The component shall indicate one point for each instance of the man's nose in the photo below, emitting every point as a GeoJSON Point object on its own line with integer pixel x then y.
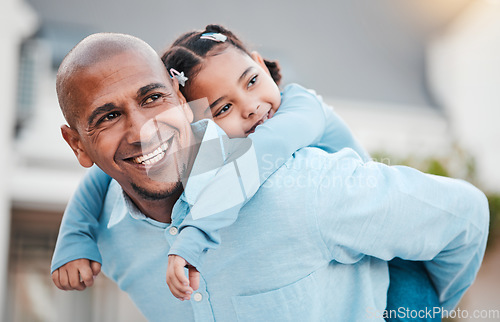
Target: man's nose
{"type": "Point", "coordinates": [141, 127]}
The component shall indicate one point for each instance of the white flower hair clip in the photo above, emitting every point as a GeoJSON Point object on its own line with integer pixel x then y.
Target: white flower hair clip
{"type": "Point", "coordinates": [215, 36]}
{"type": "Point", "coordinates": [181, 78]}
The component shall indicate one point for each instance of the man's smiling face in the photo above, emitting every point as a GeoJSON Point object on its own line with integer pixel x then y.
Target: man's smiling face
{"type": "Point", "coordinates": [132, 123]}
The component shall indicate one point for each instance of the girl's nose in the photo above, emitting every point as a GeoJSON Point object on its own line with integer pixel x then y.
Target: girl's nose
{"type": "Point", "coordinates": [249, 110]}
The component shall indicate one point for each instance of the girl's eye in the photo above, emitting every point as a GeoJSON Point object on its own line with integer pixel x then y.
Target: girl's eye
{"type": "Point", "coordinates": [152, 98]}
{"type": "Point", "coordinates": [223, 110]}
{"type": "Point", "coordinates": [252, 81]}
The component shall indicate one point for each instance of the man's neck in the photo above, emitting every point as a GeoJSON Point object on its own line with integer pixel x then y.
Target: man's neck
{"type": "Point", "coordinates": [159, 210]}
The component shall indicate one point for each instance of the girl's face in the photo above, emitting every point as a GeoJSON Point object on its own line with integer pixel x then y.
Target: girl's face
{"type": "Point", "coordinates": [239, 89]}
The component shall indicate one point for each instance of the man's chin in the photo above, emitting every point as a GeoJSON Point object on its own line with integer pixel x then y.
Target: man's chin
{"type": "Point", "coordinates": [153, 195]}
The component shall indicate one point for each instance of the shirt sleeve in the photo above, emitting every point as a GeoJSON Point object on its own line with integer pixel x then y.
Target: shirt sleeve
{"type": "Point", "coordinates": [299, 122]}
{"type": "Point", "coordinates": [395, 211]}
{"type": "Point", "coordinates": [77, 233]}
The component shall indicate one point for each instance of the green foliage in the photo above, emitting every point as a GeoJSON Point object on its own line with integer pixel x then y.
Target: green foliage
{"type": "Point", "coordinates": [436, 167]}
{"type": "Point", "coordinates": [494, 202]}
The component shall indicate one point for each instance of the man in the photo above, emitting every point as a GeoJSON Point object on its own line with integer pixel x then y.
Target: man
{"type": "Point", "coordinates": [314, 253]}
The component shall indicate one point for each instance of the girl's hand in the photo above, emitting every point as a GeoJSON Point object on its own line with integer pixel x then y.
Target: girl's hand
{"type": "Point", "coordinates": [179, 285]}
{"type": "Point", "coordinates": [76, 275]}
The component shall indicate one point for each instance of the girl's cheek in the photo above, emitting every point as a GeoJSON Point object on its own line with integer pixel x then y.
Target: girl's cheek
{"type": "Point", "coordinates": [224, 126]}
{"type": "Point", "coordinates": [235, 131]}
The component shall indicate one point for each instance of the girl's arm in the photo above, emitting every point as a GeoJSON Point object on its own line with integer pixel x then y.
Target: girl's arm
{"type": "Point", "coordinates": [338, 136]}
{"type": "Point", "coordinates": [302, 120]}
{"type": "Point", "coordinates": [80, 221]}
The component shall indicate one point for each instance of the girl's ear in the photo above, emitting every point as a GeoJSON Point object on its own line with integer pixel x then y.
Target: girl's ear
{"type": "Point", "coordinates": [259, 60]}
{"type": "Point", "coordinates": [185, 107]}
{"type": "Point", "coordinates": [175, 86]}
{"type": "Point", "coordinates": [72, 137]}
{"type": "Point", "coordinates": [177, 89]}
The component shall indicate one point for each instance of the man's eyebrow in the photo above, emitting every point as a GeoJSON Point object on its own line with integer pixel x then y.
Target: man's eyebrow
{"type": "Point", "coordinates": [108, 107]}
{"type": "Point", "coordinates": [148, 88]}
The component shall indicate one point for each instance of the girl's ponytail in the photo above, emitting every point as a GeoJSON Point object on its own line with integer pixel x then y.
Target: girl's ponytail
{"type": "Point", "coordinates": [274, 70]}
{"type": "Point", "coordinates": [189, 50]}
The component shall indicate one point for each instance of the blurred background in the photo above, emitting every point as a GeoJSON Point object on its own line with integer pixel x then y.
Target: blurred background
{"type": "Point", "coordinates": [417, 80]}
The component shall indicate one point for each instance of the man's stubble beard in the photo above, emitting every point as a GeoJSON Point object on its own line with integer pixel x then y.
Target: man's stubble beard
{"type": "Point", "coordinates": [156, 195]}
{"type": "Point", "coordinates": [159, 195]}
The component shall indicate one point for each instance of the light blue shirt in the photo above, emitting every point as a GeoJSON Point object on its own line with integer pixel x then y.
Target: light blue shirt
{"type": "Point", "coordinates": [285, 256]}
{"type": "Point", "coordinates": [315, 253]}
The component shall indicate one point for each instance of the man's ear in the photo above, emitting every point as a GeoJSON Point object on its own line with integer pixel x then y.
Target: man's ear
{"type": "Point", "coordinates": [259, 60]}
{"type": "Point", "coordinates": [72, 137]}
{"type": "Point", "coordinates": [185, 107]}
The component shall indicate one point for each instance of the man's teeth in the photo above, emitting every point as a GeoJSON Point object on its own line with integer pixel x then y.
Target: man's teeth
{"type": "Point", "coordinates": [153, 157]}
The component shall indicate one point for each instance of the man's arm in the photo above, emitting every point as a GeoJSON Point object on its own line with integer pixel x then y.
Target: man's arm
{"type": "Point", "coordinates": [77, 238]}
{"type": "Point", "coordinates": [387, 212]}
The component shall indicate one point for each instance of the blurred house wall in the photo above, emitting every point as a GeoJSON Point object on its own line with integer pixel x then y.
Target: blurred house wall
{"type": "Point", "coordinates": [464, 74]}
{"type": "Point", "coordinates": [16, 22]}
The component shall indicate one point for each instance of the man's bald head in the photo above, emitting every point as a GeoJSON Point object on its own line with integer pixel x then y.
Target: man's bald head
{"type": "Point", "coordinates": [87, 53]}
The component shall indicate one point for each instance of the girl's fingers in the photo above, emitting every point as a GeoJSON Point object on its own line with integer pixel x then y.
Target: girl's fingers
{"type": "Point", "coordinates": [194, 278]}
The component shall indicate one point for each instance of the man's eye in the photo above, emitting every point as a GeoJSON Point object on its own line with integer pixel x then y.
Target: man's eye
{"type": "Point", "coordinates": [152, 98]}
{"type": "Point", "coordinates": [223, 110]}
{"type": "Point", "coordinates": [108, 117]}
{"type": "Point", "coordinates": [252, 81]}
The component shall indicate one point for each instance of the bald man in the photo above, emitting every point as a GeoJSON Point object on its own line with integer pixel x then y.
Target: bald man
{"type": "Point", "coordinates": [313, 253]}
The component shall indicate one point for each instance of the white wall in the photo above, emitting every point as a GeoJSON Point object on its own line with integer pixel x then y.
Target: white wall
{"type": "Point", "coordinates": [395, 130]}
{"type": "Point", "coordinates": [464, 73]}
{"type": "Point", "coordinates": [16, 20]}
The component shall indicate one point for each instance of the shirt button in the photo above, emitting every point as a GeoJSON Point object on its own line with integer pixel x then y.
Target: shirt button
{"type": "Point", "coordinates": [197, 297]}
{"type": "Point", "coordinates": [173, 231]}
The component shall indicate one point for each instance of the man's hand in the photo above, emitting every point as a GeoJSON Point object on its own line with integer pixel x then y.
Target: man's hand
{"type": "Point", "coordinates": [76, 275]}
{"type": "Point", "coordinates": [179, 285]}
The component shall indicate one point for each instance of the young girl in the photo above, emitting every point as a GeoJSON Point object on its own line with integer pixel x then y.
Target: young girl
{"type": "Point", "coordinates": [243, 99]}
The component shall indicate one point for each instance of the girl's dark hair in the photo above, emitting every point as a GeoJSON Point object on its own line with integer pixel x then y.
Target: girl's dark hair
{"type": "Point", "coordinates": [188, 52]}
